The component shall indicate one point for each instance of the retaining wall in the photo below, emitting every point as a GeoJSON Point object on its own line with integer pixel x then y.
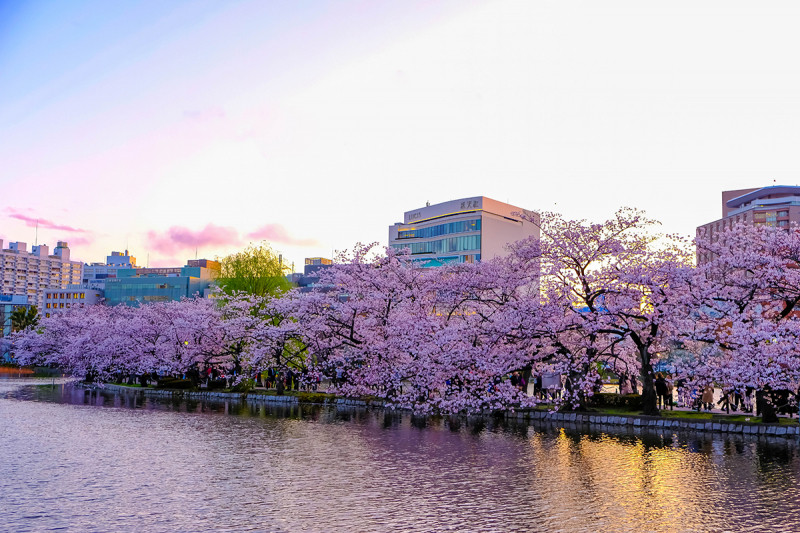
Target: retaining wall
{"type": "Point", "coordinates": [530, 415]}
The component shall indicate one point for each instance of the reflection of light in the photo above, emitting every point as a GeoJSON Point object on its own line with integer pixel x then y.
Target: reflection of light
{"type": "Point", "coordinates": [627, 482]}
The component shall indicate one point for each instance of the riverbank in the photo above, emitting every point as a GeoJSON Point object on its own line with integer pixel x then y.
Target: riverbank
{"type": "Point", "coordinates": [590, 420]}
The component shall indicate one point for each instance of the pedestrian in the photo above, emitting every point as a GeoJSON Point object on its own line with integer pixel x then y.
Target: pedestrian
{"type": "Point", "coordinates": [670, 393]}
{"type": "Point", "coordinates": [707, 400]}
{"type": "Point", "coordinates": [661, 391]}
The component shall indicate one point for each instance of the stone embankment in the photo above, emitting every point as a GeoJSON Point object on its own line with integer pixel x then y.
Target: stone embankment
{"type": "Point", "coordinates": [591, 421]}
{"type": "Point", "coordinates": [654, 422]}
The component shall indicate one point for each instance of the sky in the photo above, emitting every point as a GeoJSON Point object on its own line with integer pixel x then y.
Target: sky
{"type": "Point", "coordinates": [181, 129]}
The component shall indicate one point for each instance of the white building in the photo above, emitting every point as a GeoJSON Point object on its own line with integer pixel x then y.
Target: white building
{"type": "Point", "coordinates": [32, 273]}
{"type": "Point", "coordinates": [459, 231]}
{"type": "Point", "coordinates": [96, 274]}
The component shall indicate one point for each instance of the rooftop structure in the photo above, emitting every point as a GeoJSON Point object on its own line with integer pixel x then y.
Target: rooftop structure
{"type": "Point", "coordinates": [96, 274]}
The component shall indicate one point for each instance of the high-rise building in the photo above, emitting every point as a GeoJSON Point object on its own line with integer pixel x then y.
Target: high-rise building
{"type": "Point", "coordinates": [32, 273]}
{"type": "Point", "coordinates": [459, 231]}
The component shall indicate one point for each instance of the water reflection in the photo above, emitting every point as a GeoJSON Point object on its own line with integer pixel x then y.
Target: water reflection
{"type": "Point", "coordinates": [98, 460]}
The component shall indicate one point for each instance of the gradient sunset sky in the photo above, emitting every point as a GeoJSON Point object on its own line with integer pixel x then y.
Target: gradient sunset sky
{"type": "Point", "coordinates": [173, 126]}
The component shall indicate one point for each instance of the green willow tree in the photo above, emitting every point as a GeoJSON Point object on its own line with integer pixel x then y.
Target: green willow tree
{"type": "Point", "coordinates": [256, 270]}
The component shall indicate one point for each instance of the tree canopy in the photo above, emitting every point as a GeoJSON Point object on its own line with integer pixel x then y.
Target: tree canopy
{"type": "Point", "coordinates": [583, 299]}
{"type": "Point", "coordinates": [23, 318]}
{"type": "Point", "coordinates": [256, 270]}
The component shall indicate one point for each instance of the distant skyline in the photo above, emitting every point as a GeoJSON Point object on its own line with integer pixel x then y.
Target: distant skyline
{"type": "Point", "coordinates": [170, 127]}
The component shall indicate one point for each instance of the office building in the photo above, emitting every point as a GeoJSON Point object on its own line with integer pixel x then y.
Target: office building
{"type": "Point", "coordinates": [460, 231]}
{"type": "Point", "coordinates": [32, 273]}
{"type": "Point", "coordinates": [9, 302]}
{"type": "Point", "coordinates": [96, 274]}
{"type": "Point", "coordinates": [308, 280]}
{"type": "Point", "coordinates": [135, 286]}
{"type": "Point", "coordinates": [776, 205]}
{"type": "Point", "coordinates": [74, 296]}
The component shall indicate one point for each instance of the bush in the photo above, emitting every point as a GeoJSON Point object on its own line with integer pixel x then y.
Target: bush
{"type": "Point", "coordinates": [168, 382]}
{"type": "Point", "coordinates": [609, 399]}
{"type": "Point", "coordinates": [313, 397]}
{"type": "Point", "coordinates": [216, 384]}
{"type": "Point", "coordinates": [244, 386]}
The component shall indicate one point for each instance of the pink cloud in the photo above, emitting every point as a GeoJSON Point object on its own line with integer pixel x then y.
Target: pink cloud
{"type": "Point", "coordinates": [79, 241]}
{"type": "Point", "coordinates": [32, 221]}
{"type": "Point", "coordinates": [179, 238]}
{"type": "Point", "coordinates": [277, 234]}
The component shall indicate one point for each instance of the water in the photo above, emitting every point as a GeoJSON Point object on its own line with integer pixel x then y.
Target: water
{"type": "Point", "coordinates": [75, 460]}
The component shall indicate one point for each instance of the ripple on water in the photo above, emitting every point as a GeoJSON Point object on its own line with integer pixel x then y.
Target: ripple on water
{"type": "Point", "coordinates": [103, 461]}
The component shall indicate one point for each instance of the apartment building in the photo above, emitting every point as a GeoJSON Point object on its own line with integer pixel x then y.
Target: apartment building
{"type": "Point", "coordinates": [32, 273]}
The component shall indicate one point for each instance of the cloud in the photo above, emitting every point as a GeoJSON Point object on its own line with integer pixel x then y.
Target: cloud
{"type": "Point", "coordinates": [32, 221]}
{"type": "Point", "coordinates": [179, 238]}
{"type": "Point", "coordinates": [79, 241]}
{"type": "Point", "coordinates": [275, 233]}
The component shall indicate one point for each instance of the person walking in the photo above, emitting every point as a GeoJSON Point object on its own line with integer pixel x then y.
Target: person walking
{"type": "Point", "coordinates": [661, 391]}
{"type": "Point", "coordinates": [707, 400]}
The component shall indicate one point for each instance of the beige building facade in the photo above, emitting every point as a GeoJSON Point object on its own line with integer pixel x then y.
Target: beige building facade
{"type": "Point", "coordinates": [461, 231]}
{"type": "Point", "coordinates": [32, 273]}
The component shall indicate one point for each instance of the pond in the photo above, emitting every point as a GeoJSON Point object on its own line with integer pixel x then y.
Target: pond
{"type": "Point", "coordinates": [80, 460]}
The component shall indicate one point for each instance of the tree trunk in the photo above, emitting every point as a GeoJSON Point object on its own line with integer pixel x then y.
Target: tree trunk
{"type": "Point", "coordinates": [649, 399]}
{"type": "Point", "coordinates": [766, 406]}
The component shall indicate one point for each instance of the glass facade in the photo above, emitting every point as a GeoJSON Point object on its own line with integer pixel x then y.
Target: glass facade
{"type": "Point", "coordinates": [443, 246]}
{"type": "Point", "coordinates": [462, 226]}
{"type": "Point", "coordinates": [135, 291]}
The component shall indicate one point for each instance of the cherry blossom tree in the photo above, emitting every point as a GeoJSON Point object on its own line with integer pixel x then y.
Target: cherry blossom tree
{"type": "Point", "coordinates": [425, 339]}
{"type": "Point", "coordinates": [98, 342]}
{"type": "Point", "coordinates": [742, 314]}
{"type": "Point", "coordinates": [610, 291]}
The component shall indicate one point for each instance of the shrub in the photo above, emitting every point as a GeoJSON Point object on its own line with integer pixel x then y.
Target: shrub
{"type": "Point", "coordinates": [216, 384]}
{"type": "Point", "coordinates": [609, 399]}
{"type": "Point", "coordinates": [168, 382]}
{"type": "Point", "coordinates": [244, 386]}
{"type": "Point", "coordinates": [313, 397]}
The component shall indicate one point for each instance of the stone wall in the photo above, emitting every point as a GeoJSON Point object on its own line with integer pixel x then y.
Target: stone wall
{"type": "Point", "coordinates": [590, 421]}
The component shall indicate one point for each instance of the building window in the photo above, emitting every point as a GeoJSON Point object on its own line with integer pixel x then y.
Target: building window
{"type": "Point", "coordinates": [47, 306]}
{"type": "Point", "coordinates": [462, 226]}
{"type": "Point", "coordinates": [443, 246]}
